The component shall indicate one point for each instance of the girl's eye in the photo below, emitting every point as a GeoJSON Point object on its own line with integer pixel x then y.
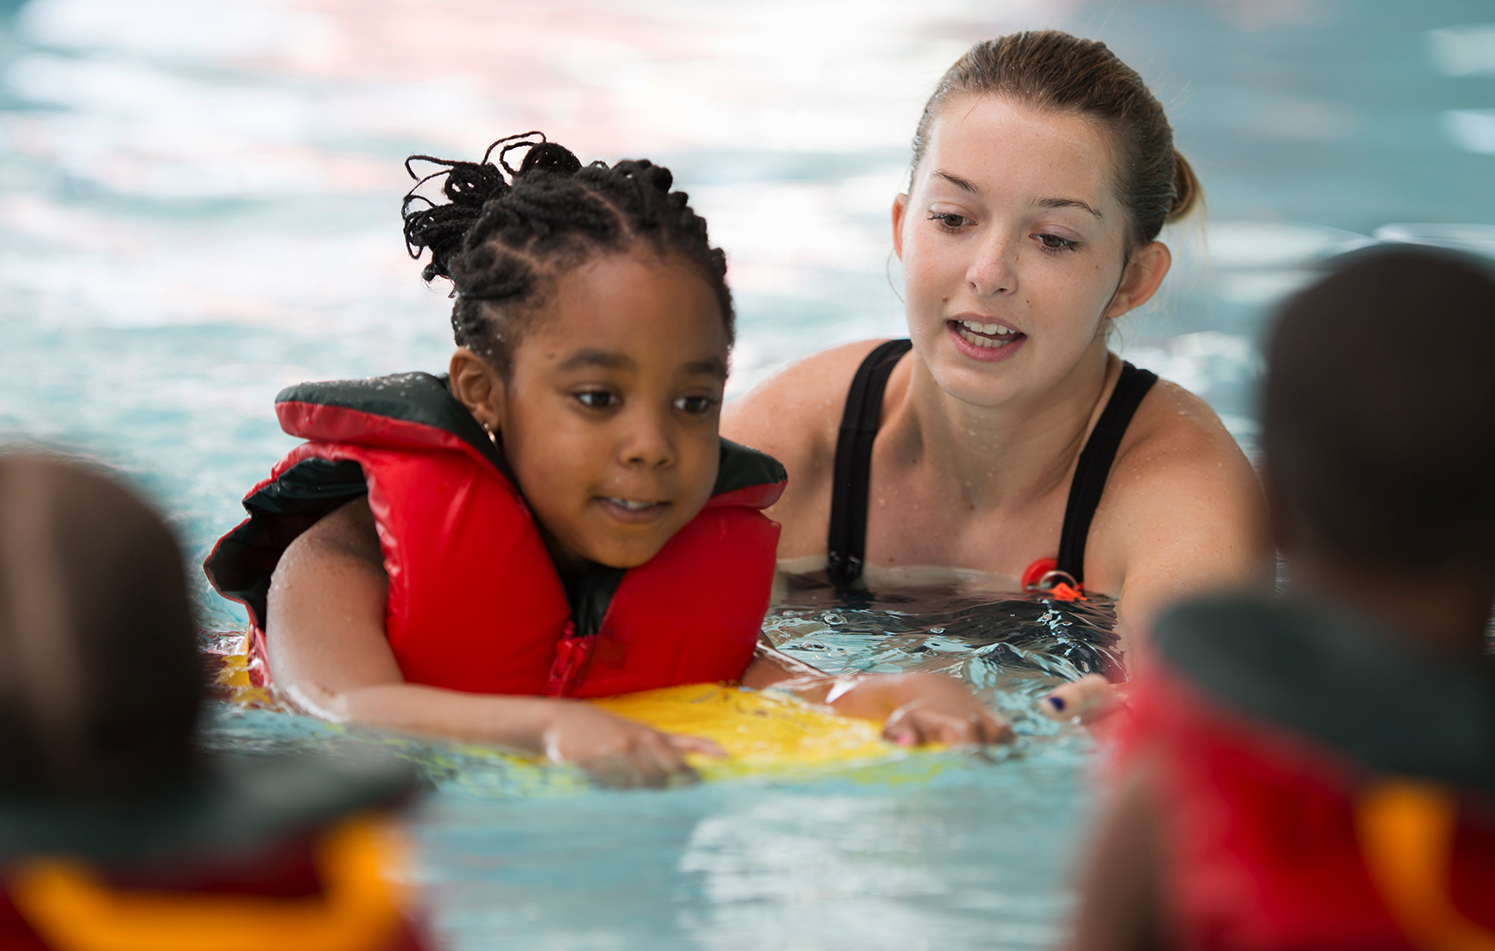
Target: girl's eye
{"type": "Point", "coordinates": [1052, 242]}
{"type": "Point", "coordinates": [948, 219]}
{"type": "Point", "coordinates": [597, 399]}
{"type": "Point", "coordinates": [694, 405]}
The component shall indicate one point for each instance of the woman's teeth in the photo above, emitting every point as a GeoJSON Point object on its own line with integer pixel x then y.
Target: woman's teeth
{"type": "Point", "coordinates": [972, 332]}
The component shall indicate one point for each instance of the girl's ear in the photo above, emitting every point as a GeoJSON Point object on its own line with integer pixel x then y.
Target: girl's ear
{"type": "Point", "coordinates": [477, 386]}
{"type": "Point", "coordinates": [1144, 273]}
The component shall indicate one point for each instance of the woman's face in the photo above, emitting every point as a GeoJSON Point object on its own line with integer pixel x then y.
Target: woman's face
{"type": "Point", "coordinates": [1013, 248]}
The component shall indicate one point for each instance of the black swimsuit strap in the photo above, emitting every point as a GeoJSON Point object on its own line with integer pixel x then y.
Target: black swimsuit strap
{"type": "Point", "coordinates": [852, 476]}
{"type": "Point", "coordinates": [1095, 465]}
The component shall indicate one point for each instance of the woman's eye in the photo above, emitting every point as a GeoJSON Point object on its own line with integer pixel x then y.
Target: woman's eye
{"type": "Point", "coordinates": [949, 219]}
{"type": "Point", "coordinates": [1052, 242]}
{"type": "Point", "coordinates": [597, 399]}
{"type": "Point", "coordinates": [694, 405]}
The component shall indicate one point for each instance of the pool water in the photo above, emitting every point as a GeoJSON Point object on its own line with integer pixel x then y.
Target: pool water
{"type": "Point", "coordinates": [198, 207]}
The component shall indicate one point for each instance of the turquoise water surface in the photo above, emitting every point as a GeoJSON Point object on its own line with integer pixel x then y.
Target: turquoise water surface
{"type": "Point", "coordinates": [198, 206]}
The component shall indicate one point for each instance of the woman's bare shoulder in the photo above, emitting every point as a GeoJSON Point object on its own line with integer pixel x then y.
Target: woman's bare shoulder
{"type": "Point", "coordinates": [1174, 427]}
{"type": "Point", "coordinates": [796, 413]}
{"type": "Point", "coordinates": [1183, 509]}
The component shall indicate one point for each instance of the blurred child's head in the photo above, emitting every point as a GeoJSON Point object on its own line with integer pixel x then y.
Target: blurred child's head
{"type": "Point", "coordinates": [1379, 415]}
{"type": "Point", "coordinates": [100, 681]}
{"type": "Point", "coordinates": [593, 325]}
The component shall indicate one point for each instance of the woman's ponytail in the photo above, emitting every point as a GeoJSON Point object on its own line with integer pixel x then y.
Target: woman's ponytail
{"type": "Point", "coordinates": [1187, 192]}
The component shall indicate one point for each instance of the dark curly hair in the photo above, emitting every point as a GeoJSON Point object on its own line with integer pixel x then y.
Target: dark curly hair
{"type": "Point", "coordinates": [504, 242]}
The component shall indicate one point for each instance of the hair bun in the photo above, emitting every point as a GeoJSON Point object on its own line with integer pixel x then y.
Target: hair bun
{"type": "Point", "coordinates": [549, 157]}
{"type": "Point", "coordinates": [1187, 192]}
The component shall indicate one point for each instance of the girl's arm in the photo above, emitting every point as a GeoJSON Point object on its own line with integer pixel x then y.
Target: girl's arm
{"type": "Point", "coordinates": [914, 708]}
{"type": "Point", "coordinates": [329, 655]}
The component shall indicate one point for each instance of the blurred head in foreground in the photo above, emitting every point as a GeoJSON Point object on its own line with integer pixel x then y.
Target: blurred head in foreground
{"type": "Point", "coordinates": [103, 797]}
{"type": "Point", "coordinates": [100, 681]}
{"type": "Point", "coordinates": [1379, 417]}
{"type": "Point", "coordinates": [1331, 755]}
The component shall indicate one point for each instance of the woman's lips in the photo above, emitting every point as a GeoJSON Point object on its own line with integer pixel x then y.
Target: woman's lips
{"type": "Point", "coordinates": [632, 511]}
{"type": "Point", "coordinates": [986, 341]}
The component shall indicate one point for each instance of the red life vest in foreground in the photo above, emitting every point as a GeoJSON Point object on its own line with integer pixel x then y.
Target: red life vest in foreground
{"type": "Point", "coordinates": [475, 603]}
{"type": "Point", "coordinates": [1321, 784]}
{"type": "Point", "coordinates": [240, 853]}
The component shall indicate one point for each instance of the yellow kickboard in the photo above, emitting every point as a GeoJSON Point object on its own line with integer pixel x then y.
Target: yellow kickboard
{"type": "Point", "coordinates": [760, 731]}
{"type": "Point", "coordinates": [757, 729]}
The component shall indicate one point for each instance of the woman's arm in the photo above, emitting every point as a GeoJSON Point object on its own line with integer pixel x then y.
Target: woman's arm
{"type": "Point", "coordinates": [914, 708]}
{"type": "Point", "coordinates": [328, 653]}
{"type": "Point", "coordinates": [1182, 515]}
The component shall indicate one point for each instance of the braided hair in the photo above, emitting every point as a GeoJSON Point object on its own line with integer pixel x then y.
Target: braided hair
{"type": "Point", "coordinates": [503, 243]}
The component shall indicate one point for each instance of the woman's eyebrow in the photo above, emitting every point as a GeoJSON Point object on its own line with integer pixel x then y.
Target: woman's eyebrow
{"type": "Point", "coordinates": [1066, 203]}
{"type": "Point", "coordinates": [969, 186]}
{"type": "Point", "coordinates": [958, 182]}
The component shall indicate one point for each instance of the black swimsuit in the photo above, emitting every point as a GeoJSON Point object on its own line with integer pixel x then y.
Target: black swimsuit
{"type": "Point", "coordinates": [853, 474]}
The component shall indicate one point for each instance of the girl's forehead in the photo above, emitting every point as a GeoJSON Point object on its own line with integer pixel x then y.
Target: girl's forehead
{"type": "Point", "coordinates": [638, 300]}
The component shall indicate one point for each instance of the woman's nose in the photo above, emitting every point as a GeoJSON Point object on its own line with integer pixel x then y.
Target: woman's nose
{"type": "Point", "coordinates": [992, 270]}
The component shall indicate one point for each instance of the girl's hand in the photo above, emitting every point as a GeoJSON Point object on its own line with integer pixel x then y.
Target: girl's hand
{"type": "Point", "coordinates": [936, 709]}
{"type": "Point", "coordinates": [620, 753]}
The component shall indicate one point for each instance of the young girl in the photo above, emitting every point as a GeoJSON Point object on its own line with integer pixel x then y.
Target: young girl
{"type": "Point", "coordinates": [1004, 437]}
{"type": "Point", "coordinates": [558, 518]}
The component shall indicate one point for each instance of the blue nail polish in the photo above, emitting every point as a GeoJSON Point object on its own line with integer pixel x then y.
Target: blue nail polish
{"type": "Point", "coordinates": [1057, 701]}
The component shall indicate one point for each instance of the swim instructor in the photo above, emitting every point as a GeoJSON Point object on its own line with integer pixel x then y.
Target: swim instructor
{"type": "Point", "coordinates": [1005, 437]}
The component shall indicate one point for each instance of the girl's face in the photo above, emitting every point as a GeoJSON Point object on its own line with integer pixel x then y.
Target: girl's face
{"type": "Point", "coordinates": [609, 419]}
{"type": "Point", "coordinates": [1013, 248]}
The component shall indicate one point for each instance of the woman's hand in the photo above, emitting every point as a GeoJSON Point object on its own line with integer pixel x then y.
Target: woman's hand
{"type": "Point", "coordinates": [933, 708]}
{"type": "Point", "coordinates": [620, 753]}
{"type": "Point", "coordinates": [1087, 700]}
{"type": "Point", "coordinates": [913, 708]}
{"type": "Point", "coordinates": [939, 709]}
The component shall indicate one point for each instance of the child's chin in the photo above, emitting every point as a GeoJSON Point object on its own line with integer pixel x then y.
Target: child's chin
{"type": "Point", "coordinates": [626, 555]}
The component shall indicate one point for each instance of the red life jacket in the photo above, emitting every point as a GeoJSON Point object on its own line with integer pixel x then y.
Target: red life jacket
{"type": "Point", "coordinates": [220, 859]}
{"type": "Point", "coordinates": [1291, 751]}
{"type": "Point", "coordinates": [315, 893]}
{"type": "Point", "coordinates": [475, 603]}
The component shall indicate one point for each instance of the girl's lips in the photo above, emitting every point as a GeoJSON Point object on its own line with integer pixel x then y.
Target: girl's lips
{"type": "Point", "coordinates": [631, 511]}
{"type": "Point", "coordinates": [982, 346]}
